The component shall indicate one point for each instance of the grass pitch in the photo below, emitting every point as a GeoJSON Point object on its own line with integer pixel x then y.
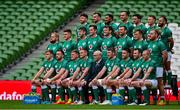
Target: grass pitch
{"type": "Point", "coordinates": [18, 105]}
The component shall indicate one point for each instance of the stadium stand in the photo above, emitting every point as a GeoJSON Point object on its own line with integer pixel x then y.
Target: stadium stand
{"type": "Point", "coordinates": [25, 23]}
{"type": "Point", "coordinates": [35, 29]}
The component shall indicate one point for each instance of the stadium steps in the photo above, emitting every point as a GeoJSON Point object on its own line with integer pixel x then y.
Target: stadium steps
{"type": "Point", "coordinates": [26, 69]}
{"type": "Point", "coordinates": [176, 56]}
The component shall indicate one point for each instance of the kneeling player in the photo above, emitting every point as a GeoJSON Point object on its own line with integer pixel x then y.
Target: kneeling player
{"type": "Point", "coordinates": [48, 70]}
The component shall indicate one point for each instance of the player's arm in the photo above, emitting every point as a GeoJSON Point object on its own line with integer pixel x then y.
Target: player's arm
{"type": "Point", "coordinates": [111, 75]}
{"type": "Point", "coordinates": [128, 74]}
{"type": "Point", "coordinates": [48, 74]}
{"type": "Point", "coordinates": [101, 73]}
{"type": "Point", "coordinates": [38, 74]}
{"type": "Point", "coordinates": [75, 74]}
{"type": "Point", "coordinates": [60, 74]}
{"type": "Point", "coordinates": [86, 70]}
{"type": "Point", "coordinates": [64, 75]}
{"type": "Point", "coordinates": [115, 73]}
{"type": "Point", "coordinates": [137, 73]}
{"type": "Point", "coordinates": [164, 56]}
{"type": "Point", "coordinates": [171, 43]}
{"type": "Point", "coordinates": [147, 73]}
{"type": "Point", "coordinates": [124, 72]}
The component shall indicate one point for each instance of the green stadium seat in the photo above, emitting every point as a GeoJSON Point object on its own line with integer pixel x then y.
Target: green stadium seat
{"type": "Point", "coordinates": [110, 3]}
{"type": "Point", "coordinates": [24, 23]}
{"type": "Point", "coordinates": [20, 2]}
{"type": "Point", "coordinates": [141, 2]}
{"type": "Point", "coordinates": [172, 6]}
{"type": "Point", "coordinates": [149, 6]}
{"type": "Point", "coordinates": [160, 6]}
{"type": "Point", "coordinates": [164, 2]}
{"type": "Point", "coordinates": [153, 2]}
{"type": "Point", "coordinates": [138, 6]}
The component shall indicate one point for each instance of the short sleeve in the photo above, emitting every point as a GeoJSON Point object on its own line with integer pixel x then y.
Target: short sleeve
{"type": "Point", "coordinates": [162, 46]}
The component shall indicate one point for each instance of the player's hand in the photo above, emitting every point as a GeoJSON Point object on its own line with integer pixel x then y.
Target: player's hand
{"type": "Point", "coordinates": [70, 82]}
{"type": "Point", "coordinates": [117, 77]}
{"type": "Point", "coordinates": [141, 83]}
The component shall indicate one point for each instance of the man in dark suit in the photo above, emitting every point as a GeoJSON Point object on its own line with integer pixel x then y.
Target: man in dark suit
{"type": "Point", "coordinates": [96, 67]}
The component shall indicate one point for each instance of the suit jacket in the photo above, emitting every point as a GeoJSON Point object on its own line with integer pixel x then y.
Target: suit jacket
{"type": "Point", "coordinates": [94, 70]}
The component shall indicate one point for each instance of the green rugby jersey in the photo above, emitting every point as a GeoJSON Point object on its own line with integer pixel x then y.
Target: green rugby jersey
{"type": "Point", "coordinates": [166, 33]}
{"type": "Point", "coordinates": [147, 64]}
{"type": "Point", "coordinates": [141, 27]}
{"type": "Point", "coordinates": [156, 48]}
{"type": "Point", "coordinates": [129, 27]}
{"type": "Point", "coordinates": [86, 25]}
{"type": "Point", "coordinates": [123, 42]}
{"type": "Point", "coordinates": [60, 64]}
{"type": "Point", "coordinates": [82, 44]}
{"type": "Point", "coordinates": [48, 65]}
{"type": "Point", "coordinates": [100, 25]}
{"type": "Point", "coordinates": [67, 47]}
{"type": "Point", "coordinates": [72, 66]}
{"type": "Point", "coordinates": [142, 44]}
{"type": "Point", "coordinates": [123, 64]}
{"type": "Point", "coordinates": [136, 64]}
{"type": "Point", "coordinates": [93, 45]}
{"type": "Point", "coordinates": [54, 47]}
{"type": "Point", "coordinates": [110, 63]}
{"type": "Point", "coordinates": [107, 42]}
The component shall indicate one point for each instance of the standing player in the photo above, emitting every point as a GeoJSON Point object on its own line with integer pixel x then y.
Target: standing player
{"type": "Point", "coordinates": [54, 43]}
{"type": "Point", "coordinates": [148, 81]}
{"type": "Point", "coordinates": [82, 42]}
{"type": "Point", "coordinates": [94, 41]}
{"type": "Point", "coordinates": [167, 39]}
{"type": "Point", "coordinates": [159, 55]}
{"type": "Point", "coordinates": [138, 24]}
{"type": "Point", "coordinates": [109, 22]}
{"type": "Point", "coordinates": [124, 22]}
{"type": "Point", "coordinates": [47, 70]}
{"type": "Point", "coordinates": [108, 41]}
{"type": "Point", "coordinates": [151, 25]}
{"type": "Point", "coordinates": [138, 41]}
{"type": "Point", "coordinates": [107, 70]}
{"type": "Point", "coordinates": [60, 69]}
{"type": "Point", "coordinates": [68, 44]}
{"type": "Point", "coordinates": [124, 41]}
{"type": "Point", "coordinates": [83, 23]}
{"type": "Point", "coordinates": [97, 21]}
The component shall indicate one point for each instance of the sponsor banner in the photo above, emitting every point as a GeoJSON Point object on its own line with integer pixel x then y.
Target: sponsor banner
{"type": "Point", "coordinates": [15, 90]}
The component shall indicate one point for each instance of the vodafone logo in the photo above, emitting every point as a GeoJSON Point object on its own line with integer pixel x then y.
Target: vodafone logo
{"type": "Point", "coordinates": [13, 96]}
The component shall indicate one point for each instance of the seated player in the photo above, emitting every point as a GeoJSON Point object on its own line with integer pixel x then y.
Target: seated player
{"type": "Point", "coordinates": [100, 79]}
{"type": "Point", "coordinates": [137, 61]}
{"type": "Point", "coordinates": [85, 64]}
{"type": "Point", "coordinates": [73, 70]}
{"type": "Point", "coordinates": [149, 80]}
{"type": "Point", "coordinates": [123, 67]}
{"type": "Point", "coordinates": [47, 70]}
{"type": "Point", "coordinates": [60, 69]}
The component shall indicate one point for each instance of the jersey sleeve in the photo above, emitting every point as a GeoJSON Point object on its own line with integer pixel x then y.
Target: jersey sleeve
{"type": "Point", "coordinates": [64, 65]}
{"type": "Point", "coordinates": [162, 46]}
{"type": "Point", "coordinates": [169, 33]}
{"type": "Point", "coordinates": [130, 42]}
{"type": "Point", "coordinates": [129, 64]}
